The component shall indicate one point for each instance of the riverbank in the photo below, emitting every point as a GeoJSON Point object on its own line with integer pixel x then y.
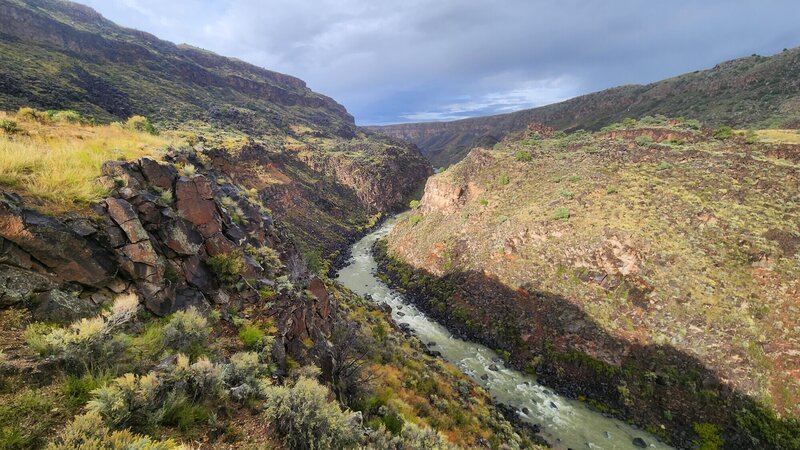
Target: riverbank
{"type": "Point", "coordinates": [657, 388]}
{"type": "Point", "coordinates": [563, 422]}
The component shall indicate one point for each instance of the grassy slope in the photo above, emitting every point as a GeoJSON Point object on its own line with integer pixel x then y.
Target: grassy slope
{"type": "Point", "coordinates": [57, 163]}
{"type": "Point", "coordinates": [753, 91]}
{"type": "Point", "coordinates": [693, 245]}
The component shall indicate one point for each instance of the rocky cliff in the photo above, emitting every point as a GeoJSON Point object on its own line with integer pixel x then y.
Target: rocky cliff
{"type": "Point", "coordinates": [646, 269]}
{"type": "Point", "coordinates": [325, 177]}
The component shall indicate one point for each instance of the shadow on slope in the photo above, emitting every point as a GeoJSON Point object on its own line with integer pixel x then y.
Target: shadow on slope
{"type": "Point", "coordinates": [667, 392]}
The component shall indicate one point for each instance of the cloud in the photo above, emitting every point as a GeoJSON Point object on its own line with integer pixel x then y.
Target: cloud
{"type": "Point", "coordinates": [529, 94]}
{"type": "Point", "coordinates": [391, 61]}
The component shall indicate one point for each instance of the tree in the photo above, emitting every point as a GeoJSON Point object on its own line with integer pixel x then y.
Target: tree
{"type": "Point", "coordinates": [349, 352]}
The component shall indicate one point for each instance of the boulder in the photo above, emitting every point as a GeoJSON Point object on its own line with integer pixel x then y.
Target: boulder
{"type": "Point", "coordinates": [17, 285]}
{"type": "Point", "coordinates": [126, 217]}
{"type": "Point", "coordinates": [218, 244]}
{"type": "Point", "coordinates": [60, 249]}
{"type": "Point", "coordinates": [180, 236]}
{"type": "Point", "coordinates": [158, 174]}
{"type": "Point", "coordinates": [195, 203]}
{"type": "Point", "coordinates": [124, 172]}
{"type": "Point", "coordinates": [62, 307]}
{"type": "Point", "coordinates": [198, 274]}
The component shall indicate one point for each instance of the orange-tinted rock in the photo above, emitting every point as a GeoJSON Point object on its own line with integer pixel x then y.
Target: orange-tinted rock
{"type": "Point", "coordinates": [158, 174]}
{"type": "Point", "coordinates": [196, 204]}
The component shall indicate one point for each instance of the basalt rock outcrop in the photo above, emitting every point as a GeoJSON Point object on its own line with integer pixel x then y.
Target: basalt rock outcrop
{"type": "Point", "coordinates": [154, 234]}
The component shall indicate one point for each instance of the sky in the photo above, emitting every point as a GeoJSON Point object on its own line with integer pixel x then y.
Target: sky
{"type": "Point", "coordinates": [433, 60]}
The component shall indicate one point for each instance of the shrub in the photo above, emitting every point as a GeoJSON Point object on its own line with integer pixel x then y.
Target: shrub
{"type": "Point", "coordinates": [9, 126]}
{"type": "Point", "coordinates": [186, 170]}
{"type": "Point", "coordinates": [573, 178]}
{"type": "Point", "coordinates": [77, 389]}
{"type": "Point", "coordinates": [127, 400]}
{"type": "Point", "coordinates": [416, 438]}
{"type": "Point", "coordinates": [663, 165]}
{"type": "Point", "coordinates": [415, 219]}
{"type": "Point", "coordinates": [141, 124]}
{"type": "Point", "coordinates": [252, 336]}
{"type": "Point", "coordinates": [483, 201]}
{"type": "Point", "coordinates": [178, 411]}
{"type": "Point", "coordinates": [88, 431]}
{"type": "Point", "coordinates": [693, 124]}
{"type": "Point", "coordinates": [561, 214]}
{"type": "Point", "coordinates": [523, 156]}
{"type": "Point", "coordinates": [227, 267]}
{"type": "Point", "coordinates": [187, 331]}
{"type": "Point", "coordinates": [267, 257]}
{"type": "Point", "coordinates": [31, 114]}
{"type": "Point", "coordinates": [413, 204]}
{"type": "Point", "coordinates": [305, 418]}
{"type": "Point", "coordinates": [567, 194]}
{"type": "Point", "coordinates": [751, 137]}
{"type": "Point", "coordinates": [723, 133]}
{"type": "Point", "coordinates": [68, 116]}
{"type": "Point", "coordinates": [85, 341]}
{"type": "Point", "coordinates": [643, 141]}
{"type": "Point", "coordinates": [503, 180]}
{"type": "Point", "coordinates": [709, 436]}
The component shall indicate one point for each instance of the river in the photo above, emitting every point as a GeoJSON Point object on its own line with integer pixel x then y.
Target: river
{"type": "Point", "coordinates": [564, 423]}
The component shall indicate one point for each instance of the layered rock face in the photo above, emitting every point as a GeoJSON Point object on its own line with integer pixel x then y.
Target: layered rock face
{"type": "Point", "coordinates": [110, 73]}
{"type": "Point", "coordinates": [154, 235]}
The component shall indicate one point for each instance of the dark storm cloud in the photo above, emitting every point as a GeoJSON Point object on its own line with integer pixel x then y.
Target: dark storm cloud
{"type": "Point", "coordinates": [444, 59]}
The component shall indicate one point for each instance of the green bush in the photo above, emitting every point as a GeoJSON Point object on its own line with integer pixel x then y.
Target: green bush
{"type": "Point", "coordinates": [87, 341]}
{"type": "Point", "coordinates": [503, 180]}
{"type": "Point", "coordinates": [267, 257]}
{"type": "Point", "coordinates": [252, 336]}
{"type": "Point", "coordinates": [187, 332]}
{"type": "Point", "coordinates": [228, 268]}
{"type": "Point", "coordinates": [693, 124]}
{"type": "Point", "coordinates": [69, 116]}
{"type": "Point", "coordinates": [415, 219]}
{"type": "Point", "coordinates": [179, 412]}
{"type": "Point", "coordinates": [567, 194]}
{"type": "Point", "coordinates": [663, 165]}
{"type": "Point", "coordinates": [413, 204]}
{"type": "Point", "coordinates": [77, 389]}
{"type": "Point", "coordinates": [523, 156]}
{"type": "Point", "coordinates": [751, 137]}
{"type": "Point", "coordinates": [723, 133]}
{"type": "Point", "coordinates": [643, 141]}
{"type": "Point", "coordinates": [304, 417]}
{"type": "Point", "coordinates": [141, 124]}
{"type": "Point", "coordinates": [561, 214]}
{"type": "Point", "coordinates": [483, 201]}
{"type": "Point", "coordinates": [89, 432]}
{"type": "Point", "coordinates": [9, 126]}
{"type": "Point", "coordinates": [709, 437]}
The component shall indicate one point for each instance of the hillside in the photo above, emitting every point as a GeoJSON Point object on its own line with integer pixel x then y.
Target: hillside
{"type": "Point", "coordinates": [324, 176]}
{"type": "Point", "coordinates": [650, 269]}
{"type": "Point", "coordinates": [754, 91]}
{"type": "Point", "coordinates": [169, 305]}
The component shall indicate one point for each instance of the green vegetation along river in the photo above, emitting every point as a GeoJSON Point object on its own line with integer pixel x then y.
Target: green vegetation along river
{"type": "Point", "coordinates": [564, 423]}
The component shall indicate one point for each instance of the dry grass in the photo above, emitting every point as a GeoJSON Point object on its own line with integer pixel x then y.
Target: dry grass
{"type": "Point", "coordinates": [779, 136]}
{"type": "Point", "coordinates": [59, 162]}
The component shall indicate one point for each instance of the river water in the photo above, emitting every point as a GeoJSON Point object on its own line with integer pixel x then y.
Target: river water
{"type": "Point", "coordinates": [564, 423]}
